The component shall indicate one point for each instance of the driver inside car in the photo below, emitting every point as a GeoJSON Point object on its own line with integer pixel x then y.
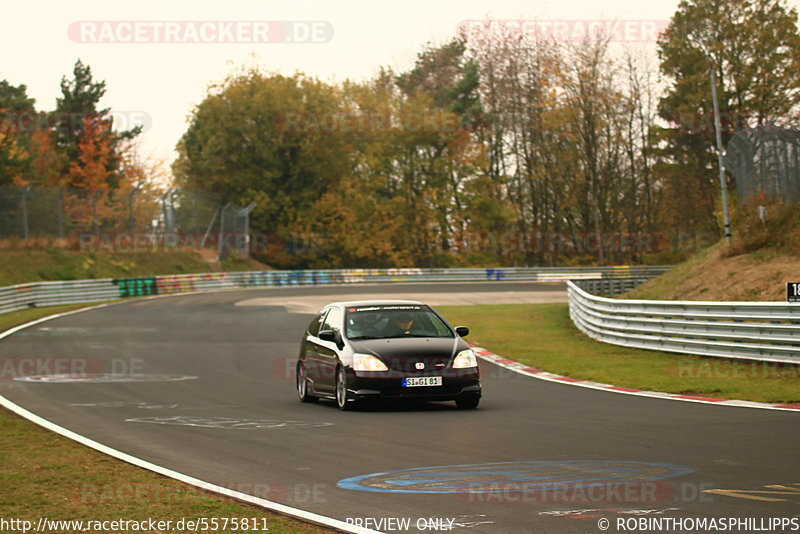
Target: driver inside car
{"type": "Point", "coordinates": [399, 324]}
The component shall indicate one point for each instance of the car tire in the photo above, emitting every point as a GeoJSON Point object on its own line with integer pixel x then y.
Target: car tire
{"type": "Point", "coordinates": [343, 400]}
{"type": "Point", "coordinates": [302, 384]}
{"type": "Point", "coordinates": [468, 402]}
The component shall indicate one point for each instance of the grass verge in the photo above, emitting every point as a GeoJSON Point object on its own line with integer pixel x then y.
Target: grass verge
{"type": "Point", "coordinates": [24, 265]}
{"type": "Point", "coordinates": [45, 475]}
{"type": "Point", "coordinates": [543, 336]}
{"type": "Point", "coordinates": [8, 320]}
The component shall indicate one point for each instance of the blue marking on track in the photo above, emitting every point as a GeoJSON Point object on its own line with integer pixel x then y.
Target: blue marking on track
{"type": "Point", "coordinates": [530, 475]}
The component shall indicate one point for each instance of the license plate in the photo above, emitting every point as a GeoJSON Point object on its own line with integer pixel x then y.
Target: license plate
{"type": "Point", "coordinates": [422, 381]}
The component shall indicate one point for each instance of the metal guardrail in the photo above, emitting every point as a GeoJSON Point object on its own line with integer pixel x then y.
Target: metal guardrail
{"type": "Point", "coordinates": [37, 294]}
{"type": "Point", "coordinates": [610, 287]}
{"type": "Point", "coordinates": [85, 291]}
{"type": "Point", "coordinates": [764, 331]}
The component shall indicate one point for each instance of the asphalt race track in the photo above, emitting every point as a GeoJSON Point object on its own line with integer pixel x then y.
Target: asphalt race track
{"type": "Point", "coordinates": [204, 384]}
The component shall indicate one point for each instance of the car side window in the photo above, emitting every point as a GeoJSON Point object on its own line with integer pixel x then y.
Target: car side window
{"type": "Point", "coordinates": [316, 323]}
{"type": "Point", "coordinates": [333, 321]}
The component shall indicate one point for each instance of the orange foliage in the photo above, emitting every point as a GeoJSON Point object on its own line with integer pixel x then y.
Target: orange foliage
{"type": "Point", "coordinates": [13, 154]}
{"type": "Point", "coordinates": [92, 170]}
{"type": "Point", "coordinates": [47, 161]}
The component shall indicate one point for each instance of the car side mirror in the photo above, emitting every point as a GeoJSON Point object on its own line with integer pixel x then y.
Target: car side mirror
{"type": "Point", "coordinates": [327, 335]}
{"type": "Point", "coordinates": [462, 331]}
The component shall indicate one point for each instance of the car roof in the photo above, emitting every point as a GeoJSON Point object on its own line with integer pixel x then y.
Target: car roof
{"type": "Point", "coordinates": [355, 303]}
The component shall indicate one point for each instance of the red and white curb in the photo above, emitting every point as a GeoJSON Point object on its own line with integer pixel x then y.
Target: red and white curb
{"type": "Point", "coordinates": [526, 370]}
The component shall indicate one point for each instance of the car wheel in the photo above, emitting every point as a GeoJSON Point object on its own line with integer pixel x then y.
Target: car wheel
{"type": "Point", "coordinates": [302, 384]}
{"type": "Point", "coordinates": [342, 398]}
{"type": "Point", "coordinates": [468, 402]}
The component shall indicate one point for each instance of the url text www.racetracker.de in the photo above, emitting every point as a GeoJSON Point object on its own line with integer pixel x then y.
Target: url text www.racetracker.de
{"type": "Point", "coordinates": [196, 524]}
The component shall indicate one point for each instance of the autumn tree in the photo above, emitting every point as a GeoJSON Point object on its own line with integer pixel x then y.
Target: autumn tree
{"type": "Point", "coordinates": [361, 220]}
{"type": "Point", "coordinates": [14, 160]}
{"type": "Point", "coordinates": [17, 123]}
{"type": "Point", "coordinates": [531, 154]}
{"type": "Point", "coordinates": [436, 163]}
{"type": "Point", "coordinates": [642, 191]}
{"type": "Point", "coordinates": [270, 139]}
{"type": "Point", "coordinates": [753, 47]}
{"type": "Point", "coordinates": [92, 169]}
{"type": "Point", "coordinates": [78, 118]}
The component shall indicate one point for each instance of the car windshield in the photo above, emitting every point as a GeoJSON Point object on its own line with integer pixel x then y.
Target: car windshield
{"type": "Point", "coordinates": [397, 320]}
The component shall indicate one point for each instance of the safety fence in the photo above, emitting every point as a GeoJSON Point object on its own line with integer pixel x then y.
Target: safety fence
{"type": "Point", "coordinates": [764, 331]}
{"type": "Point", "coordinates": [37, 294]}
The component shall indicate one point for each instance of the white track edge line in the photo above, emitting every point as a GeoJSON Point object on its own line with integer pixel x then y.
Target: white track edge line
{"type": "Point", "coordinates": [308, 517]}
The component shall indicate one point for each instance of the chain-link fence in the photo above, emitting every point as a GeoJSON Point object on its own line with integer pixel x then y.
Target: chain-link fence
{"type": "Point", "coordinates": [27, 212]}
{"type": "Point", "coordinates": [207, 219]}
{"type": "Point", "coordinates": [765, 162]}
{"type": "Point", "coordinates": [136, 217]}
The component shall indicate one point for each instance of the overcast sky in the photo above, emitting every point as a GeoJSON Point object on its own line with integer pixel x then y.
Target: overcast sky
{"type": "Point", "coordinates": [157, 57]}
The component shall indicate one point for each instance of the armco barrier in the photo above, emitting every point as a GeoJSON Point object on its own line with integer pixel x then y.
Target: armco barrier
{"type": "Point", "coordinates": [85, 291]}
{"type": "Point", "coordinates": [23, 296]}
{"type": "Point", "coordinates": [764, 331]}
{"type": "Point", "coordinates": [609, 287]}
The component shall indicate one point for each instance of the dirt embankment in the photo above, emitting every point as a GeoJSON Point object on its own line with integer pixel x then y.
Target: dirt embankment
{"type": "Point", "coordinates": [43, 259]}
{"type": "Point", "coordinates": [763, 257]}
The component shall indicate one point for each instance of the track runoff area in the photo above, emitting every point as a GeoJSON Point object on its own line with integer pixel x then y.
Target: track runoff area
{"type": "Point", "coordinates": [201, 387]}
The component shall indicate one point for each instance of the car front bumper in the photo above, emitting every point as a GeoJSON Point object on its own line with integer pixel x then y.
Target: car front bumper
{"type": "Point", "coordinates": [389, 385]}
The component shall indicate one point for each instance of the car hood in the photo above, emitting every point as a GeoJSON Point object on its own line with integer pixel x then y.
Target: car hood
{"type": "Point", "coordinates": [402, 354]}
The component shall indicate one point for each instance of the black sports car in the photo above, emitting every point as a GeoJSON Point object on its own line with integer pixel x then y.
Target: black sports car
{"type": "Point", "coordinates": [386, 349]}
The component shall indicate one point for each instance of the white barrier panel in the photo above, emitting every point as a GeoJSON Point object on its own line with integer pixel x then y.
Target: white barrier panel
{"type": "Point", "coordinates": [764, 331]}
{"type": "Point", "coordinates": [37, 294]}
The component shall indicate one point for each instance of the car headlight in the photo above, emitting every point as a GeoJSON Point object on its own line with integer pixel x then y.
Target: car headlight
{"type": "Point", "coordinates": [367, 362]}
{"type": "Point", "coordinates": [464, 359]}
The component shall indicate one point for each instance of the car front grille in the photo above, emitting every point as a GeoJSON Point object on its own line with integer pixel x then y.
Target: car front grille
{"type": "Point", "coordinates": [409, 366]}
